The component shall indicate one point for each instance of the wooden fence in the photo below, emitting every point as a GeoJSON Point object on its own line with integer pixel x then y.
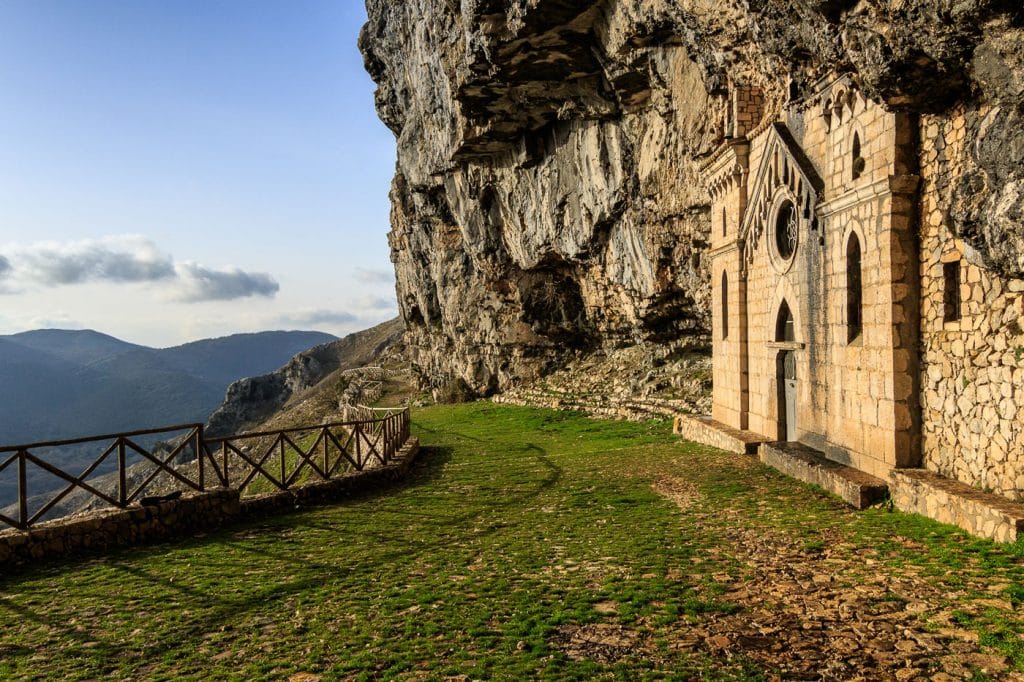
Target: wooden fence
{"type": "Point", "coordinates": [250, 462]}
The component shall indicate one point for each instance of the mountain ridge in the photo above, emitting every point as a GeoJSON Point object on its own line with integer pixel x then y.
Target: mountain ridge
{"type": "Point", "coordinates": [69, 383]}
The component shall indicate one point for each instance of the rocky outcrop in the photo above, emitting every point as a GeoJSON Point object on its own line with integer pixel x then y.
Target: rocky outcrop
{"type": "Point", "coordinates": [250, 401]}
{"type": "Point", "coordinates": [547, 200]}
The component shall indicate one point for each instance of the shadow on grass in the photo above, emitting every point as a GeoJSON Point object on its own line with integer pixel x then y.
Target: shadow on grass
{"type": "Point", "coordinates": [305, 575]}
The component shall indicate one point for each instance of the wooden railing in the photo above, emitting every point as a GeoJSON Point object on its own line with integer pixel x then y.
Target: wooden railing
{"type": "Point", "coordinates": [186, 460]}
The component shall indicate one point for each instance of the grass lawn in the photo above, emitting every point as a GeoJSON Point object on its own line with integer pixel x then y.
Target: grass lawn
{"type": "Point", "coordinates": [531, 544]}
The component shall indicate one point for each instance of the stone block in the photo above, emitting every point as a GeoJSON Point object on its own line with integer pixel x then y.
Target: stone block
{"type": "Point", "coordinates": [855, 487]}
{"type": "Point", "coordinates": [707, 431]}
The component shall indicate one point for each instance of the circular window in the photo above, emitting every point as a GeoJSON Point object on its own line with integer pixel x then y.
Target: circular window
{"type": "Point", "coordinates": [786, 230]}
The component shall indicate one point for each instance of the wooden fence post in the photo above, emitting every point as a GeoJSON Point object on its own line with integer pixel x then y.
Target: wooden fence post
{"type": "Point", "coordinates": [323, 434]}
{"type": "Point", "coordinates": [280, 439]}
{"type": "Point", "coordinates": [359, 446]}
{"type": "Point", "coordinates": [227, 472]}
{"type": "Point", "coordinates": [200, 446]}
{"type": "Point", "coordinates": [122, 482]}
{"type": "Point", "coordinates": [22, 491]}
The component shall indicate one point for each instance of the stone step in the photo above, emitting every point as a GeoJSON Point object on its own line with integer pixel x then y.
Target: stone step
{"type": "Point", "coordinates": [707, 431]}
{"type": "Point", "coordinates": [857, 488]}
{"type": "Point", "coordinates": [978, 512]}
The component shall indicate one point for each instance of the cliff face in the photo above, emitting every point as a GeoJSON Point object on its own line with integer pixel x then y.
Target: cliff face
{"type": "Point", "coordinates": [547, 199]}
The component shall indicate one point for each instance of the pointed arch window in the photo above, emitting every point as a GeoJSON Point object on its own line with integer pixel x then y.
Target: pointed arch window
{"type": "Point", "coordinates": [857, 160]}
{"type": "Point", "coordinates": [854, 290]}
{"type": "Point", "coordinates": [725, 305]}
{"type": "Point", "coordinates": [785, 330]}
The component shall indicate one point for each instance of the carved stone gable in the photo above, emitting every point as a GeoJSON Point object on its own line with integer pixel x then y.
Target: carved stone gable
{"type": "Point", "coordinates": [784, 172]}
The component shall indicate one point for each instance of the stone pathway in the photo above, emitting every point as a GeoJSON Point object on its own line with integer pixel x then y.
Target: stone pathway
{"type": "Point", "coordinates": [829, 613]}
{"type": "Point", "coordinates": [827, 610]}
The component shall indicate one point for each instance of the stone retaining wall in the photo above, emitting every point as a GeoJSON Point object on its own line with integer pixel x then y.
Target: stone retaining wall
{"type": "Point", "coordinates": [187, 515]}
{"type": "Point", "coordinates": [980, 513]}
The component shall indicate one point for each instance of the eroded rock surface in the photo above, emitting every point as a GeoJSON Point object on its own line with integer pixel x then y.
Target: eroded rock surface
{"type": "Point", "coordinates": [547, 200]}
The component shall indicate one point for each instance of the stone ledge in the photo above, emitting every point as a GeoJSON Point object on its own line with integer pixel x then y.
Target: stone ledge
{"type": "Point", "coordinates": [707, 431]}
{"type": "Point", "coordinates": [855, 487]}
{"type": "Point", "coordinates": [986, 515]}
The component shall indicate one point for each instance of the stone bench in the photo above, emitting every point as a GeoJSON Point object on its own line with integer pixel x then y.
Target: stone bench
{"type": "Point", "coordinates": [857, 488]}
{"type": "Point", "coordinates": [707, 431]}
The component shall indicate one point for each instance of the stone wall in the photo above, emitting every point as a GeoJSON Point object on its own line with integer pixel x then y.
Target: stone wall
{"type": "Point", "coordinates": [983, 514]}
{"type": "Point", "coordinates": [973, 367]}
{"type": "Point", "coordinates": [190, 514]}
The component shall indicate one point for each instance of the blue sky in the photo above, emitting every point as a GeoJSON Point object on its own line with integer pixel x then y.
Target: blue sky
{"type": "Point", "coordinates": [176, 170]}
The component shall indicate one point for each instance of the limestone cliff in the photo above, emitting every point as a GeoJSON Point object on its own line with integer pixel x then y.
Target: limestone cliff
{"type": "Point", "coordinates": [547, 200]}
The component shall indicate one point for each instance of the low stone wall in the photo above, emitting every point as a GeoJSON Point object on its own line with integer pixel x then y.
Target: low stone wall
{"type": "Point", "coordinates": [634, 410]}
{"type": "Point", "coordinates": [707, 431]}
{"type": "Point", "coordinates": [979, 513]}
{"type": "Point", "coordinates": [857, 488]}
{"type": "Point", "coordinates": [190, 514]}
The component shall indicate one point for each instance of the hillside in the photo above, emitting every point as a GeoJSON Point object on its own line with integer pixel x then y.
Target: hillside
{"type": "Point", "coordinates": [33, 384]}
{"type": "Point", "coordinates": [229, 358]}
{"type": "Point", "coordinates": [530, 544]}
{"type": "Point", "coordinates": [308, 389]}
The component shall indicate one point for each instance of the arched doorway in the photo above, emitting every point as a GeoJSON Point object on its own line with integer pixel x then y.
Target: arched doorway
{"type": "Point", "coordinates": [785, 332]}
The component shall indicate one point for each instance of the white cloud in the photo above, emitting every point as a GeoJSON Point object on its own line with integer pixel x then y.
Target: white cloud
{"type": "Point", "coordinates": [5, 270]}
{"type": "Point", "coordinates": [126, 259]}
{"type": "Point", "coordinates": [58, 320]}
{"type": "Point", "coordinates": [375, 306]}
{"type": "Point", "coordinates": [372, 276]}
{"type": "Point", "coordinates": [312, 318]}
{"type": "Point", "coordinates": [115, 259]}
{"type": "Point", "coordinates": [197, 283]}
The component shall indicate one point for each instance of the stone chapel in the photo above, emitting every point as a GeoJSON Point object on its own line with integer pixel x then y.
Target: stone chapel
{"type": "Point", "coordinates": [835, 290]}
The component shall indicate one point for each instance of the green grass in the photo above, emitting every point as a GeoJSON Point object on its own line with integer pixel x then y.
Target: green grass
{"type": "Point", "coordinates": [514, 524]}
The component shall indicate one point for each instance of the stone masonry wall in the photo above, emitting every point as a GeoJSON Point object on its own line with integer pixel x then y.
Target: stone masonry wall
{"type": "Point", "coordinates": [857, 396]}
{"type": "Point", "coordinates": [972, 368]}
{"type": "Point", "coordinates": [979, 513]}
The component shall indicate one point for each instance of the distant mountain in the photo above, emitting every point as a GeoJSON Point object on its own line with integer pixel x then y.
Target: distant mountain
{"type": "Point", "coordinates": [62, 384]}
{"type": "Point", "coordinates": [243, 355]}
{"type": "Point", "coordinates": [79, 347]}
{"type": "Point", "coordinates": [32, 382]}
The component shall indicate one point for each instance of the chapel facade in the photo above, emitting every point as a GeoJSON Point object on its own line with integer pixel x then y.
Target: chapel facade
{"type": "Point", "coordinates": [813, 287]}
{"type": "Point", "coordinates": [844, 307]}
